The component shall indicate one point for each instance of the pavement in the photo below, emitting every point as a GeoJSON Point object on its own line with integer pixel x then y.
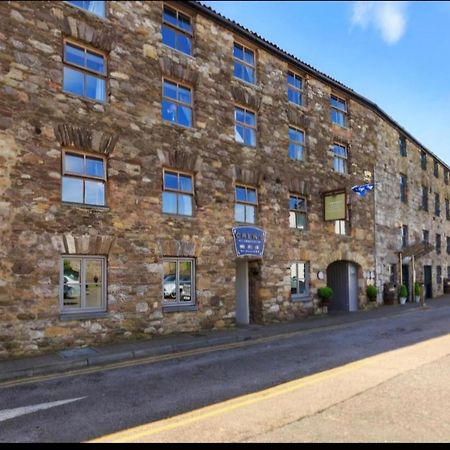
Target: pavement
{"type": "Point", "coordinates": [73, 359]}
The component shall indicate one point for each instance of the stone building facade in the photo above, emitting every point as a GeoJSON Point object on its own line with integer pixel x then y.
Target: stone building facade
{"type": "Point", "coordinates": [96, 242]}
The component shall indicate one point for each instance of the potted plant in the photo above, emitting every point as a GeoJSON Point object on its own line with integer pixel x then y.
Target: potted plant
{"type": "Point", "coordinates": [372, 292]}
{"type": "Point", "coordinates": [325, 294]}
{"type": "Point", "coordinates": [417, 291]}
{"type": "Point", "coordinates": [403, 294]}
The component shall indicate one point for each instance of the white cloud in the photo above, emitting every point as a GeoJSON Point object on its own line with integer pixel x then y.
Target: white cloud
{"type": "Point", "coordinates": [388, 17]}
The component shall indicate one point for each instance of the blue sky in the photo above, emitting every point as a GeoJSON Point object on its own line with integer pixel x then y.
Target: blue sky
{"type": "Point", "coordinates": [396, 54]}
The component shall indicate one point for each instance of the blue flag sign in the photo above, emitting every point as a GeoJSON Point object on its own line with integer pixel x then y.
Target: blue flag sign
{"type": "Point", "coordinates": [363, 189]}
{"type": "Point", "coordinates": [249, 241]}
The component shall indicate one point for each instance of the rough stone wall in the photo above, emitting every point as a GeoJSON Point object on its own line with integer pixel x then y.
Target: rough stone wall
{"type": "Point", "coordinates": [38, 120]}
{"type": "Point", "coordinates": [392, 213]}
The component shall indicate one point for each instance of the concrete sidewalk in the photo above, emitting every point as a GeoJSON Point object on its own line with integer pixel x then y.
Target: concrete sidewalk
{"type": "Point", "coordinates": [79, 358]}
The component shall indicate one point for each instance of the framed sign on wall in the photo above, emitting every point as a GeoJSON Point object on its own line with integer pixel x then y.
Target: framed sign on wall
{"type": "Point", "coordinates": [335, 205]}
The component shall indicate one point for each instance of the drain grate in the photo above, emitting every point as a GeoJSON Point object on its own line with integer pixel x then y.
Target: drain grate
{"type": "Point", "coordinates": [77, 352]}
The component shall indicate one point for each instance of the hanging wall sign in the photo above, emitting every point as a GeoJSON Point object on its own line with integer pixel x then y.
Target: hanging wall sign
{"type": "Point", "coordinates": [249, 241]}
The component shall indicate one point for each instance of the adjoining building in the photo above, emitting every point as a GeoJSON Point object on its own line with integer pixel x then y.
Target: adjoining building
{"type": "Point", "coordinates": [146, 145]}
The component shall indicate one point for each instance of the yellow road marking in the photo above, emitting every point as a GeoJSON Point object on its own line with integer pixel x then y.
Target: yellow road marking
{"type": "Point", "coordinates": [150, 429]}
{"type": "Point", "coordinates": [155, 359]}
{"type": "Point", "coordinates": [167, 357]}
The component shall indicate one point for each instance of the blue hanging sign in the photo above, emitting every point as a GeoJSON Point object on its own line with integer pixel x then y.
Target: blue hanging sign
{"type": "Point", "coordinates": [249, 241]}
{"type": "Point", "coordinates": [362, 189]}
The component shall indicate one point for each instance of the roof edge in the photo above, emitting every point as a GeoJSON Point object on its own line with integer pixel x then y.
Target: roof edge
{"type": "Point", "coordinates": [234, 26]}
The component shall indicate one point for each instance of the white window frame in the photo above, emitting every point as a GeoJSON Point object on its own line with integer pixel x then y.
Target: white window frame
{"type": "Point", "coordinates": [343, 111]}
{"type": "Point", "coordinates": [297, 211]}
{"type": "Point", "coordinates": [177, 303]}
{"type": "Point", "coordinates": [245, 203]}
{"type": "Point", "coordinates": [84, 177]}
{"type": "Point", "coordinates": [237, 60]}
{"type": "Point", "coordinates": [177, 192]}
{"type": "Point", "coordinates": [295, 88]}
{"type": "Point", "coordinates": [307, 293]}
{"type": "Point", "coordinates": [83, 308]}
{"type": "Point", "coordinates": [297, 143]}
{"type": "Point", "coordinates": [340, 158]}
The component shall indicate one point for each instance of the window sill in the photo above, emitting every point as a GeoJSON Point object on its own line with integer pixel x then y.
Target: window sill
{"type": "Point", "coordinates": [85, 99]}
{"type": "Point", "coordinates": [83, 315]}
{"type": "Point", "coordinates": [177, 125]}
{"type": "Point", "coordinates": [301, 107]}
{"type": "Point", "coordinates": [304, 299]}
{"type": "Point", "coordinates": [178, 216]}
{"type": "Point", "coordinates": [179, 308]}
{"type": "Point", "coordinates": [250, 147]}
{"type": "Point", "coordinates": [179, 52]}
{"type": "Point", "coordinates": [246, 83]}
{"type": "Point", "coordinates": [340, 126]}
{"type": "Point", "coordinates": [86, 206]}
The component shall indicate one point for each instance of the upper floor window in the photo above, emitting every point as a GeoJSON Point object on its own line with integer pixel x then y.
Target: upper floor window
{"type": "Point", "coordinates": [83, 179]}
{"type": "Point", "coordinates": [297, 212]}
{"type": "Point", "coordinates": [425, 198]}
{"type": "Point", "coordinates": [445, 175]}
{"type": "Point", "coordinates": [438, 274]}
{"type": "Point", "coordinates": [340, 157]}
{"type": "Point", "coordinates": [178, 193]}
{"type": "Point", "coordinates": [448, 246]}
{"type": "Point", "coordinates": [438, 244]}
{"type": "Point", "coordinates": [177, 103]}
{"type": "Point", "coordinates": [425, 236]}
{"type": "Point", "coordinates": [436, 169]}
{"type": "Point", "coordinates": [423, 160]}
{"type": "Point", "coordinates": [176, 30]}
{"type": "Point", "coordinates": [245, 126]}
{"type": "Point", "coordinates": [338, 111]}
{"type": "Point", "coordinates": [94, 7]}
{"type": "Point", "coordinates": [340, 227]}
{"type": "Point", "coordinates": [295, 89]}
{"type": "Point", "coordinates": [299, 280]}
{"type": "Point", "coordinates": [403, 188]}
{"type": "Point", "coordinates": [296, 144]}
{"type": "Point", "coordinates": [84, 72]}
{"type": "Point", "coordinates": [404, 236]}
{"type": "Point", "coordinates": [178, 282]}
{"type": "Point", "coordinates": [437, 205]}
{"type": "Point", "coordinates": [83, 284]}
{"type": "Point", "coordinates": [244, 63]}
{"type": "Point", "coordinates": [245, 205]}
{"type": "Point", "coordinates": [402, 146]}
{"type": "Point", "coordinates": [447, 209]}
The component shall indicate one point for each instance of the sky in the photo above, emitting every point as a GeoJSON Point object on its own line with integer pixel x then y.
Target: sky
{"type": "Point", "coordinates": [396, 54]}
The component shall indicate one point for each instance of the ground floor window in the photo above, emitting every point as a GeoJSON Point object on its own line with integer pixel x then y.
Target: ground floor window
{"type": "Point", "coordinates": [178, 283]}
{"type": "Point", "coordinates": [83, 284]}
{"type": "Point", "coordinates": [299, 280]}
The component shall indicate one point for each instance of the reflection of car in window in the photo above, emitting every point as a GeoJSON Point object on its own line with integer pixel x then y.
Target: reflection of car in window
{"type": "Point", "coordinates": [170, 290]}
{"type": "Point", "coordinates": [71, 288]}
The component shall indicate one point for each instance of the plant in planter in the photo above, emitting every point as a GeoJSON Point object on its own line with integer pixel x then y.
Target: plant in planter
{"type": "Point", "coordinates": [325, 294]}
{"type": "Point", "coordinates": [372, 292]}
{"type": "Point", "coordinates": [417, 291]}
{"type": "Point", "coordinates": [403, 294]}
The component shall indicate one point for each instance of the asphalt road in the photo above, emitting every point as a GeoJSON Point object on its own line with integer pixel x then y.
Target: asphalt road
{"type": "Point", "coordinates": [349, 384]}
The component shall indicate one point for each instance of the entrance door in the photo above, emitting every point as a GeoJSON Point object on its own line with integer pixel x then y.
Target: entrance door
{"type": "Point", "coordinates": [242, 298]}
{"type": "Point", "coordinates": [342, 277]}
{"type": "Point", "coordinates": [405, 279]}
{"type": "Point", "coordinates": [427, 280]}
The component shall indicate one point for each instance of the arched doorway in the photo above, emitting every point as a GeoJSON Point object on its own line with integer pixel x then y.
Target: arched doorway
{"type": "Point", "coordinates": [342, 277]}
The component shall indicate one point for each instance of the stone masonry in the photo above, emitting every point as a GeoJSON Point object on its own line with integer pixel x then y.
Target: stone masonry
{"type": "Point", "coordinates": [38, 121]}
